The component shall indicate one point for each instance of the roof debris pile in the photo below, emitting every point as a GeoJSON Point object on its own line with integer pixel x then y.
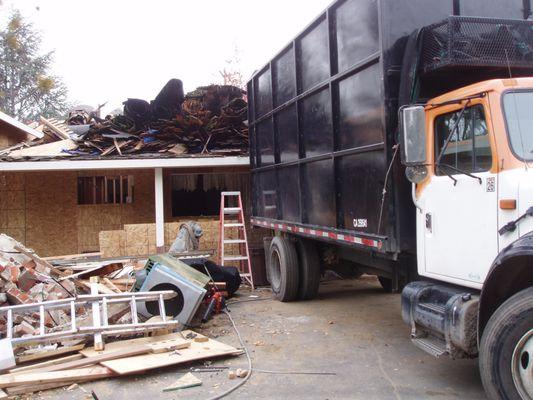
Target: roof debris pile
{"type": "Point", "coordinates": [210, 120]}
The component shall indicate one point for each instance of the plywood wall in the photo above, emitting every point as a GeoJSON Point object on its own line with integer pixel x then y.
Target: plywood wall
{"type": "Point", "coordinates": [40, 210]}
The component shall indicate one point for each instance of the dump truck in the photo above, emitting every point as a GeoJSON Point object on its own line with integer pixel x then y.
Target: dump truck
{"type": "Point", "coordinates": [394, 138]}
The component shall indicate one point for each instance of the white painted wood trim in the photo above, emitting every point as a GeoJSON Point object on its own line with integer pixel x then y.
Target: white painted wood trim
{"type": "Point", "coordinates": [159, 209]}
{"type": "Point", "coordinates": [79, 165]}
{"type": "Point", "coordinates": [21, 126]}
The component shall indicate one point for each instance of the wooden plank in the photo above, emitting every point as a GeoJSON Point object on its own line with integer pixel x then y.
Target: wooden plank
{"type": "Point", "coordinates": [175, 340]}
{"type": "Point", "coordinates": [56, 127]}
{"type": "Point", "coordinates": [22, 389]}
{"type": "Point", "coordinates": [101, 268]}
{"type": "Point", "coordinates": [81, 256]}
{"type": "Point", "coordinates": [46, 150]}
{"type": "Point", "coordinates": [133, 351]}
{"type": "Point", "coordinates": [49, 353]}
{"type": "Point", "coordinates": [196, 351]}
{"type": "Point", "coordinates": [111, 285]}
{"type": "Point", "coordinates": [46, 363]}
{"type": "Point", "coordinates": [38, 378]}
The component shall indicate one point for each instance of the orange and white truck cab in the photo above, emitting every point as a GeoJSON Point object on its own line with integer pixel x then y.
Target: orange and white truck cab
{"type": "Point", "coordinates": [480, 183]}
{"type": "Point", "coordinates": [469, 155]}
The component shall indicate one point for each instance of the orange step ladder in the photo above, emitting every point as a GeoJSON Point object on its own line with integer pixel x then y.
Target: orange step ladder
{"type": "Point", "coordinates": [232, 231]}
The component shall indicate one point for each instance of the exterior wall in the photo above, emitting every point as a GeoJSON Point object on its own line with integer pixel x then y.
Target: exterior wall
{"type": "Point", "coordinates": [40, 210]}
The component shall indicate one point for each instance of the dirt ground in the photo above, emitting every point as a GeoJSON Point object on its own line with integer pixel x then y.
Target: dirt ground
{"type": "Point", "coordinates": [353, 330]}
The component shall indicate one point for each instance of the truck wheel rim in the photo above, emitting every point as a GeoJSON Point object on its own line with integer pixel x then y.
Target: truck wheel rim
{"type": "Point", "coordinates": [522, 366]}
{"type": "Point", "coordinates": [275, 272]}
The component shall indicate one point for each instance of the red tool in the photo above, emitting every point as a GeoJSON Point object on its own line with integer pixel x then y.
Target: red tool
{"type": "Point", "coordinates": [217, 302]}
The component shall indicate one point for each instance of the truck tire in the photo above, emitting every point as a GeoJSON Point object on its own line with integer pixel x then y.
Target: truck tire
{"type": "Point", "coordinates": [283, 269]}
{"type": "Point", "coordinates": [506, 351]}
{"type": "Point", "coordinates": [309, 269]}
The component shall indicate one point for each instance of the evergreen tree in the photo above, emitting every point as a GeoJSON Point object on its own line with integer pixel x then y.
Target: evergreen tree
{"type": "Point", "coordinates": [27, 89]}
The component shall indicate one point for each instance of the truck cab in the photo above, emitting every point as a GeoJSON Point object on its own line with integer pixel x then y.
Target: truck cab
{"type": "Point", "coordinates": [468, 155]}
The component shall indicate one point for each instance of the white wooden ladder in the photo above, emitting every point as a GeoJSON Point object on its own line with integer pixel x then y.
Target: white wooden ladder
{"type": "Point", "coordinates": [232, 231]}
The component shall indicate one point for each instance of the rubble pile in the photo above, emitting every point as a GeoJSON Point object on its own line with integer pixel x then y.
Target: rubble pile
{"type": "Point", "coordinates": [75, 319]}
{"type": "Point", "coordinates": [209, 120]}
{"type": "Point", "coordinates": [25, 278]}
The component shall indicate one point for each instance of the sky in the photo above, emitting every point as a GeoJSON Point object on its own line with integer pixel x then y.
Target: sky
{"type": "Point", "coordinates": [111, 50]}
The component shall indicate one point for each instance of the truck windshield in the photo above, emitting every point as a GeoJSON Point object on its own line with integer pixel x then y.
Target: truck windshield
{"type": "Point", "coordinates": [518, 107]}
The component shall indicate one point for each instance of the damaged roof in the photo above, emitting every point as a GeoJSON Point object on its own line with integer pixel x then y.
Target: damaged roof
{"type": "Point", "coordinates": [207, 123]}
{"type": "Point", "coordinates": [23, 128]}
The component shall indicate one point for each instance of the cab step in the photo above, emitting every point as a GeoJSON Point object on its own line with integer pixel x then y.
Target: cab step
{"type": "Point", "coordinates": [432, 345]}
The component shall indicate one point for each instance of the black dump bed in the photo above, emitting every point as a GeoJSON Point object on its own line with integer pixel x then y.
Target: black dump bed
{"type": "Point", "coordinates": [323, 122]}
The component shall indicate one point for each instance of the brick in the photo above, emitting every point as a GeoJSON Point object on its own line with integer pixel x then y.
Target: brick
{"type": "Point", "coordinates": [27, 280]}
{"type": "Point", "coordinates": [29, 264]}
{"type": "Point", "coordinates": [10, 273]}
{"type": "Point", "coordinates": [37, 292]}
{"type": "Point", "coordinates": [23, 329]}
{"type": "Point", "coordinates": [15, 297]}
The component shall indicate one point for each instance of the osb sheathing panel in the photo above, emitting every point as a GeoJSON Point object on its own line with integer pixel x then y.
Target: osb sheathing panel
{"type": "Point", "coordinates": [139, 239]}
{"type": "Point", "coordinates": [51, 202]}
{"type": "Point", "coordinates": [40, 210]}
{"type": "Point", "coordinates": [93, 219]}
{"type": "Point", "coordinates": [13, 206]}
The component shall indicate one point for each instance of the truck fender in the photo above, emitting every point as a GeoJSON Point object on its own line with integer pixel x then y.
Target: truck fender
{"type": "Point", "coordinates": [510, 273]}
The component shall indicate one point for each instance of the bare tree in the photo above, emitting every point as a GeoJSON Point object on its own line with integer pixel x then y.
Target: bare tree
{"type": "Point", "coordinates": [27, 89]}
{"type": "Point", "coordinates": [231, 74]}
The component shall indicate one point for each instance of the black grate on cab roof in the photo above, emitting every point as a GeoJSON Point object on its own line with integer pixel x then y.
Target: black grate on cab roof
{"type": "Point", "coordinates": [477, 42]}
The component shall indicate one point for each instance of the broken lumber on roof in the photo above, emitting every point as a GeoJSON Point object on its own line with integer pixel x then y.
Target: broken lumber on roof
{"type": "Point", "coordinates": [210, 120]}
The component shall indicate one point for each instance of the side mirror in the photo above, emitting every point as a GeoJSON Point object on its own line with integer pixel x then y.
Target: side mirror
{"type": "Point", "coordinates": [413, 136]}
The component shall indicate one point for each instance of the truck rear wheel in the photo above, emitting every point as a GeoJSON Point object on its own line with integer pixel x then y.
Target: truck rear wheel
{"type": "Point", "coordinates": [283, 269]}
{"type": "Point", "coordinates": [506, 351]}
{"type": "Point", "coordinates": [309, 269]}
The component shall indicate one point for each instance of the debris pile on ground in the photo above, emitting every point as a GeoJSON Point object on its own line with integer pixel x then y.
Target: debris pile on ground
{"type": "Point", "coordinates": [210, 120]}
{"type": "Point", "coordinates": [51, 309]}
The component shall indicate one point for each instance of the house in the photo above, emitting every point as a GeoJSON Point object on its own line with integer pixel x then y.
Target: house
{"type": "Point", "coordinates": [60, 200]}
{"type": "Point", "coordinates": [59, 207]}
{"type": "Point", "coordinates": [13, 132]}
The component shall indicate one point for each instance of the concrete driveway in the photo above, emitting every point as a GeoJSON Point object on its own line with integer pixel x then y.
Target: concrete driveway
{"type": "Point", "coordinates": [353, 330]}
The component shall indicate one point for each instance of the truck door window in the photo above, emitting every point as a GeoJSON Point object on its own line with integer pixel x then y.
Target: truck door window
{"type": "Point", "coordinates": [469, 147]}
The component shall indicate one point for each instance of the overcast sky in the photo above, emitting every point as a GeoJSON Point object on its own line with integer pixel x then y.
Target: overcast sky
{"type": "Point", "coordinates": [110, 50]}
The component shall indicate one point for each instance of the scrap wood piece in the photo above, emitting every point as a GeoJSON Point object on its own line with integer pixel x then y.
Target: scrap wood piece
{"type": "Point", "coordinates": [111, 285]}
{"type": "Point", "coordinates": [196, 351]}
{"type": "Point", "coordinates": [101, 288]}
{"type": "Point", "coordinates": [86, 361]}
{"type": "Point", "coordinates": [43, 364]}
{"type": "Point", "coordinates": [48, 353]}
{"type": "Point", "coordinates": [52, 149]}
{"type": "Point", "coordinates": [95, 270]}
{"type": "Point", "coordinates": [186, 381]}
{"type": "Point", "coordinates": [81, 256]}
{"type": "Point", "coordinates": [59, 128]}
{"type": "Point", "coordinates": [22, 389]}
{"type": "Point", "coordinates": [94, 372]}
{"type": "Point", "coordinates": [174, 341]}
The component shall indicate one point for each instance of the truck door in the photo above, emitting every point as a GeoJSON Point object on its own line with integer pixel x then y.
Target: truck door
{"type": "Point", "coordinates": [460, 207]}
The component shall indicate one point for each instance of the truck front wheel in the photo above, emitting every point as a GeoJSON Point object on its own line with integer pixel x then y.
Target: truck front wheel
{"type": "Point", "coordinates": [506, 351]}
{"type": "Point", "coordinates": [283, 269]}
